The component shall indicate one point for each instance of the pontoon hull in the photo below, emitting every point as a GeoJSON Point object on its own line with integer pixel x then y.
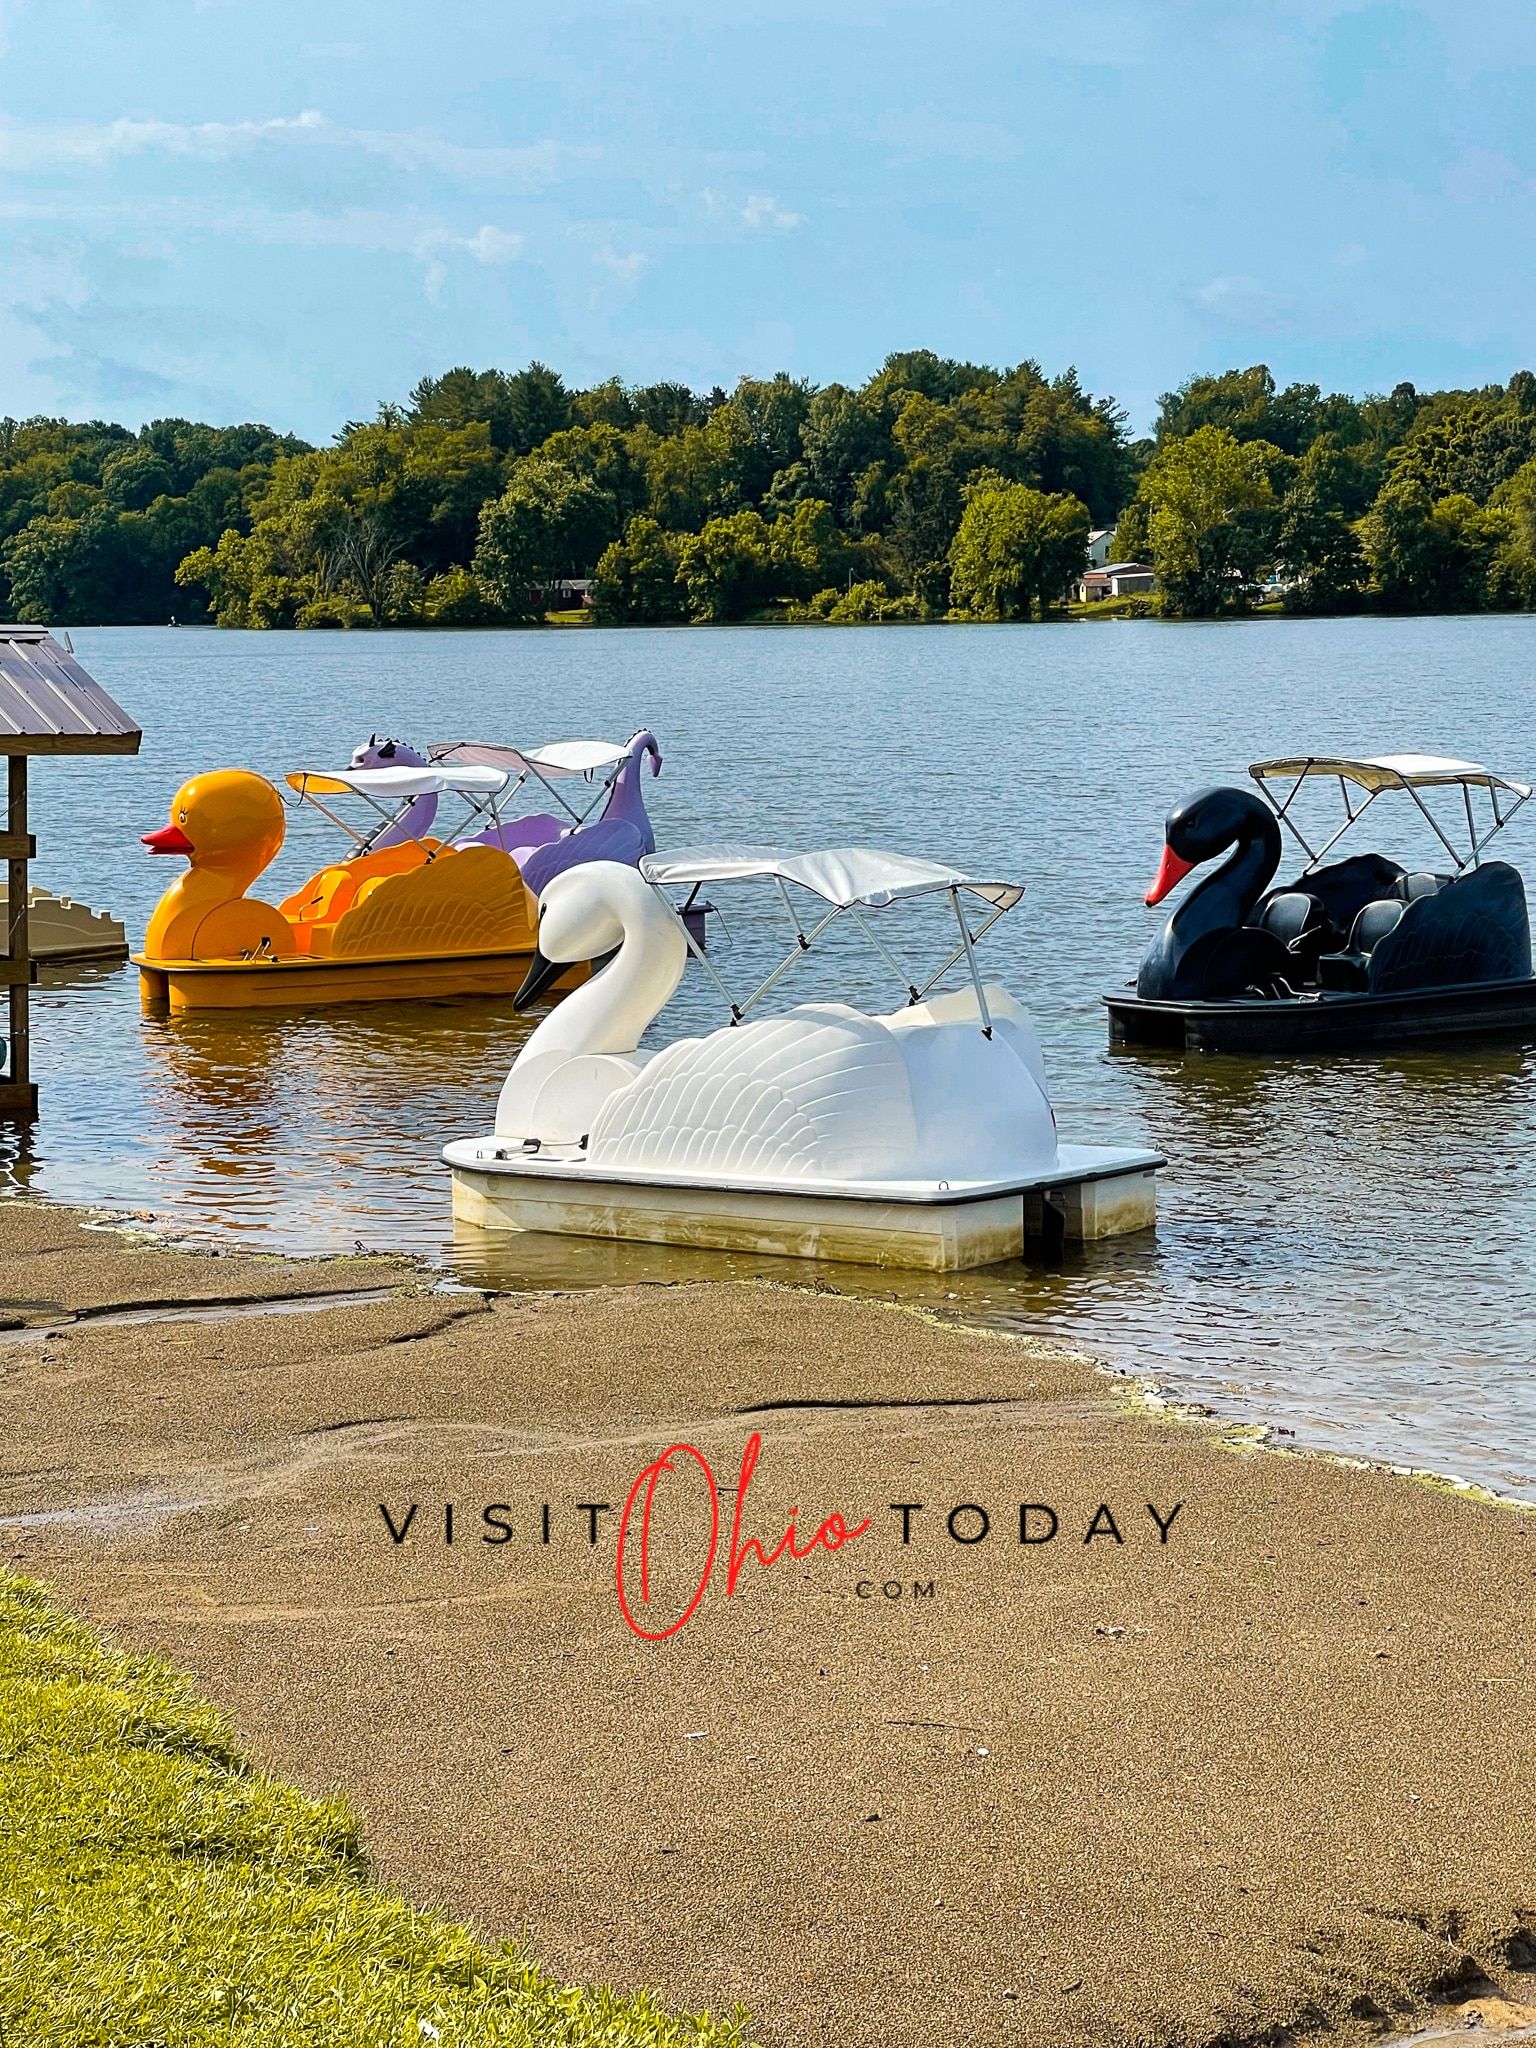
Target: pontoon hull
{"type": "Point", "coordinates": [300, 984]}
{"type": "Point", "coordinates": [1091, 1192]}
{"type": "Point", "coordinates": [1327, 1022]}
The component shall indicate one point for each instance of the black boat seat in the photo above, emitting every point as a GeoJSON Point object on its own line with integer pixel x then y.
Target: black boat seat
{"type": "Point", "coordinates": [1292, 916]}
{"type": "Point", "coordinates": [1350, 970]}
{"type": "Point", "coordinates": [1409, 888]}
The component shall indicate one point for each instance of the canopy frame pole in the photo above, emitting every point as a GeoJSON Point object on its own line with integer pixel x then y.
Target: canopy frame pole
{"type": "Point", "coordinates": [1466, 798]}
{"type": "Point", "coordinates": [1282, 812]}
{"type": "Point", "coordinates": [970, 954]}
{"type": "Point", "coordinates": [1353, 818]}
{"type": "Point", "coordinates": [889, 958]}
{"type": "Point", "coordinates": [1498, 822]}
{"type": "Point", "coordinates": [1434, 825]}
{"type": "Point", "coordinates": [795, 952]}
{"type": "Point", "coordinates": [698, 953]}
{"type": "Point", "coordinates": [307, 796]}
{"type": "Point", "coordinates": [959, 953]}
{"type": "Point", "coordinates": [789, 905]}
{"type": "Point", "coordinates": [579, 817]}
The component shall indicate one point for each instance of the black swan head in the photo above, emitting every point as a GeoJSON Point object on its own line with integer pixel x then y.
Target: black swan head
{"type": "Point", "coordinates": [1206, 824]}
{"type": "Point", "coordinates": [1183, 961]}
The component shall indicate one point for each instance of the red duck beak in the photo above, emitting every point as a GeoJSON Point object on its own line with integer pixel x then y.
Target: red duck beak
{"type": "Point", "coordinates": [1169, 875]}
{"type": "Point", "coordinates": [169, 839]}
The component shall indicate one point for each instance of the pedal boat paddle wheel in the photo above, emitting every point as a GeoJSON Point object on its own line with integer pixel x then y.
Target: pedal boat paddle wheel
{"type": "Point", "coordinates": [925, 1138]}
{"type": "Point", "coordinates": [411, 910]}
{"type": "Point", "coordinates": [1350, 952]}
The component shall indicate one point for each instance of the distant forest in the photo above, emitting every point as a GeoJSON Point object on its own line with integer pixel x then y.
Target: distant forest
{"type": "Point", "coordinates": [935, 490]}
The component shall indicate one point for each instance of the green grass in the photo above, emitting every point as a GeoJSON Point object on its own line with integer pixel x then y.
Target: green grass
{"type": "Point", "coordinates": [156, 1891]}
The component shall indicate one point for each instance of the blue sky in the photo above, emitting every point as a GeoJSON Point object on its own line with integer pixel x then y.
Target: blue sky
{"type": "Point", "coordinates": [287, 212]}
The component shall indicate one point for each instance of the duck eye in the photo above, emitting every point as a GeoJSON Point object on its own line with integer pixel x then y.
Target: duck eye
{"type": "Point", "coordinates": [181, 817]}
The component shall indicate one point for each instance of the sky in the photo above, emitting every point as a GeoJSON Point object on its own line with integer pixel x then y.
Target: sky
{"type": "Point", "coordinates": [290, 212]}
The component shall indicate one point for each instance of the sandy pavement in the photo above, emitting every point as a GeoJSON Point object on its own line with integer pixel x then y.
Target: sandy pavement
{"type": "Point", "coordinates": [1275, 1771]}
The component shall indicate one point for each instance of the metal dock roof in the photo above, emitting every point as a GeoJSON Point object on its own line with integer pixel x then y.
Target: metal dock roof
{"type": "Point", "coordinates": [49, 705]}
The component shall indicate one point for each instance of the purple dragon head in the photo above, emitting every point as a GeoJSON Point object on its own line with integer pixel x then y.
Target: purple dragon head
{"type": "Point", "coordinates": [416, 821]}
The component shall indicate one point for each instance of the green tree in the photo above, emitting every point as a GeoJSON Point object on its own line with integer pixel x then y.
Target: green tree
{"type": "Point", "coordinates": [637, 577]}
{"type": "Point", "coordinates": [550, 521]}
{"type": "Point", "coordinates": [727, 570]}
{"type": "Point", "coordinates": [1247, 405]}
{"type": "Point", "coordinates": [1317, 547]}
{"type": "Point", "coordinates": [841, 437]}
{"type": "Point", "coordinates": [808, 552]}
{"type": "Point", "coordinates": [1016, 548]}
{"type": "Point", "coordinates": [1210, 507]}
{"type": "Point", "coordinates": [1471, 453]}
{"type": "Point", "coordinates": [1513, 576]}
{"type": "Point", "coordinates": [1432, 555]}
{"type": "Point", "coordinates": [520, 411]}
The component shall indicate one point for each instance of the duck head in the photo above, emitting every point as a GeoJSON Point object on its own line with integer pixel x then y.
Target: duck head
{"type": "Point", "coordinates": [229, 821]}
{"type": "Point", "coordinates": [1206, 824]}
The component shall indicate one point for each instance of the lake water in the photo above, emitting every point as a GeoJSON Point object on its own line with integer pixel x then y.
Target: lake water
{"type": "Point", "coordinates": [1346, 1246]}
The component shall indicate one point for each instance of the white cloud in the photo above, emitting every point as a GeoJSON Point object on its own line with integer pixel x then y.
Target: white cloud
{"type": "Point", "coordinates": [1240, 303]}
{"type": "Point", "coordinates": [410, 232]}
{"type": "Point", "coordinates": [761, 211]}
{"type": "Point", "coordinates": [492, 245]}
{"type": "Point", "coordinates": [626, 269]}
{"type": "Point", "coordinates": [63, 144]}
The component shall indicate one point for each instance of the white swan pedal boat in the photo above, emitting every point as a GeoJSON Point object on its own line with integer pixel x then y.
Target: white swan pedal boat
{"type": "Point", "coordinates": [924, 1138]}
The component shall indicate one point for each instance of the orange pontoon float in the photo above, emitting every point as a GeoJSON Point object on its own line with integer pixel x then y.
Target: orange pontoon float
{"type": "Point", "coordinates": [404, 917]}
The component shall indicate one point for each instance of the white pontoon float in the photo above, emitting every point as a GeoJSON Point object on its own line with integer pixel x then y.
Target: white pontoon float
{"type": "Point", "coordinates": [923, 1138]}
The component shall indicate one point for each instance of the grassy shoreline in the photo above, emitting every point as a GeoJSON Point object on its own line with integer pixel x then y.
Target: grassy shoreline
{"type": "Point", "coordinates": [1264, 1784]}
{"type": "Point", "coordinates": [155, 1887]}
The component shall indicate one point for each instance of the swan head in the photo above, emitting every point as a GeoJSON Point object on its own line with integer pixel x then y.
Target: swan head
{"type": "Point", "coordinates": [584, 913]}
{"type": "Point", "coordinates": [1204, 825]}
{"type": "Point", "coordinates": [230, 820]}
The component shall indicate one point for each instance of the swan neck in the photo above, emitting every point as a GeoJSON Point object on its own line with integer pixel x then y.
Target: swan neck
{"type": "Point", "coordinates": [612, 1012]}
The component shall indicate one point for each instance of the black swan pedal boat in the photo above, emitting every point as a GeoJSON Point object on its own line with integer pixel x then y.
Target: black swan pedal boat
{"type": "Point", "coordinates": [1352, 952]}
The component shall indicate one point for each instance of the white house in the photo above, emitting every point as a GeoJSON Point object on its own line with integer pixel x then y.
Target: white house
{"type": "Point", "coordinates": [1100, 541]}
{"type": "Point", "coordinates": [1114, 579]}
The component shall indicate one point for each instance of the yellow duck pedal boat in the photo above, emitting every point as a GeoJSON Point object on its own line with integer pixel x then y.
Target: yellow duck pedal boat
{"type": "Point", "coordinates": [397, 922]}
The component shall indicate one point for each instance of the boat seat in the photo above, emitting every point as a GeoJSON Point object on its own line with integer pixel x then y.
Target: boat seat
{"type": "Point", "coordinates": [1350, 970]}
{"type": "Point", "coordinates": [1292, 916]}
{"type": "Point", "coordinates": [1409, 888]}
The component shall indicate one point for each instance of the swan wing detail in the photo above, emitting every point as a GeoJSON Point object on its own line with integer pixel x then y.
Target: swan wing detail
{"type": "Point", "coordinates": [820, 1093]}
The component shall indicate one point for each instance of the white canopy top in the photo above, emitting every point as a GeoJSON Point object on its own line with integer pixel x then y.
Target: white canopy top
{"type": "Point", "coordinates": [1388, 771]}
{"type": "Point", "coordinates": [564, 757]}
{"type": "Point", "coordinates": [390, 784]}
{"type": "Point", "coordinates": [842, 876]}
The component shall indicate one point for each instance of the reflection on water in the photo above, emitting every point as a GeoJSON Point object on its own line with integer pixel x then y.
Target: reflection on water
{"type": "Point", "coordinates": [1346, 1244]}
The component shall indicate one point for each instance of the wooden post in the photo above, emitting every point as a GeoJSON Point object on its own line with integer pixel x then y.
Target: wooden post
{"type": "Point", "coordinates": [18, 1091]}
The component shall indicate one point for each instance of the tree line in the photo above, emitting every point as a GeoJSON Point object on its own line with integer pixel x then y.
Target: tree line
{"type": "Point", "coordinates": [937, 489]}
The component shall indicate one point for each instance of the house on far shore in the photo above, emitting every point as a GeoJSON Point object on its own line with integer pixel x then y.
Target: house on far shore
{"type": "Point", "coordinates": [1100, 541]}
{"type": "Point", "coordinates": [1115, 579]}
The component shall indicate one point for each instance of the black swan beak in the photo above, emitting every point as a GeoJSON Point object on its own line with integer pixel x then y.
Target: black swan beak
{"type": "Point", "coordinates": [1169, 875]}
{"type": "Point", "coordinates": [541, 973]}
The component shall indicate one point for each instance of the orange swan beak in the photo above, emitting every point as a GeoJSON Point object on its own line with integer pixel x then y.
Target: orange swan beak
{"type": "Point", "coordinates": [1169, 875]}
{"type": "Point", "coordinates": [169, 839]}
